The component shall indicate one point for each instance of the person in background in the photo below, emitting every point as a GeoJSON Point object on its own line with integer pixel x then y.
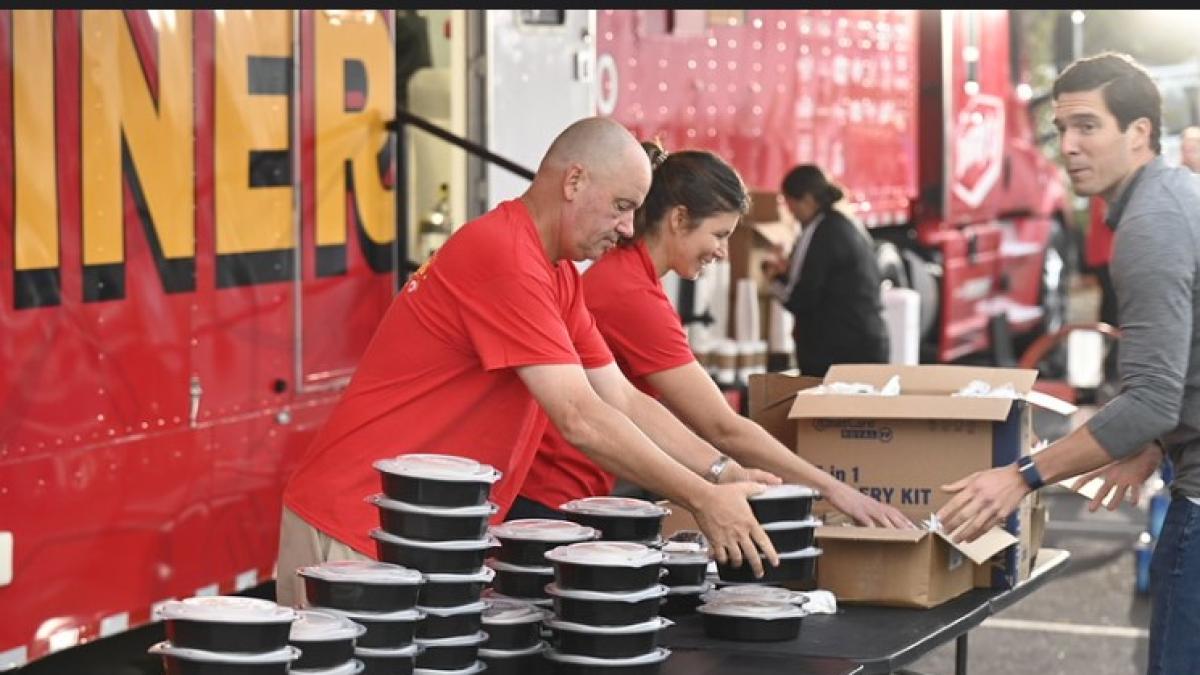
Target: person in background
{"type": "Point", "coordinates": [831, 281]}
{"type": "Point", "coordinates": [1189, 148]}
{"type": "Point", "coordinates": [1108, 112]}
{"type": "Point", "coordinates": [489, 339]}
{"type": "Point", "coordinates": [694, 204]}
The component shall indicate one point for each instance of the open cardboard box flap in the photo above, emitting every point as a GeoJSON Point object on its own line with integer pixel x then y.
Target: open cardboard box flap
{"type": "Point", "coordinates": [925, 393]}
{"type": "Point", "coordinates": [979, 551]}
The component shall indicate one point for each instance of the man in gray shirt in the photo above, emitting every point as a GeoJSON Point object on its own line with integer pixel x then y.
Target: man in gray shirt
{"type": "Point", "coordinates": [1109, 116]}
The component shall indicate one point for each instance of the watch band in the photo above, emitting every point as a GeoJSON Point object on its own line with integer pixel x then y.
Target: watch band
{"type": "Point", "coordinates": [718, 467]}
{"type": "Point", "coordinates": [1029, 472]}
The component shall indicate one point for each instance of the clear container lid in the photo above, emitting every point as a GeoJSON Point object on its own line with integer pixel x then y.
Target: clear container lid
{"type": "Point", "coordinates": [410, 649]}
{"type": "Point", "coordinates": [810, 552]}
{"type": "Point", "coordinates": [351, 667]}
{"type": "Point", "coordinates": [409, 614]}
{"type": "Point", "coordinates": [689, 590]}
{"type": "Point", "coordinates": [631, 596]}
{"type": "Point", "coordinates": [383, 502]}
{"type": "Point", "coordinates": [439, 467]}
{"type": "Point", "coordinates": [281, 655]}
{"type": "Point", "coordinates": [615, 506]}
{"type": "Point", "coordinates": [542, 604]}
{"type": "Point", "coordinates": [226, 609]}
{"type": "Point", "coordinates": [502, 566]}
{"type": "Point", "coordinates": [657, 623]}
{"type": "Point", "coordinates": [456, 641]}
{"type": "Point", "coordinates": [473, 608]}
{"type": "Point", "coordinates": [477, 667]}
{"type": "Point", "coordinates": [451, 545]}
{"type": "Point", "coordinates": [785, 491]}
{"type": "Point", "coordinates": [511, 653]}
{"type": "Point", "coordinates": [507, 612]}
{"type": "Point", "coordinates": [320, 626]}
{"type": "Point", "coordinates": [657, 656]}
{"type": "Point", "coordinates": [485, 574]}
{"type": "Point", "coordinates": [362, 572]}
{"type": "Point", "coordinates": [792, 524]}
{"type": "Point", "coordinates": [606, 554]}
{"type": "Point", "coordinates": [543, 529]}
{"type": "Point", "coordinates": [685, 557]}
{"type": "Point", "coordinates": [749, 608]}
{"type": "Point", "coordinates": [754, 592]}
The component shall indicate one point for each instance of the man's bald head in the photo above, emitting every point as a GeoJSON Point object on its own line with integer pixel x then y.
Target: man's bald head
{"type": "Point", "coordinates": [597, 143]}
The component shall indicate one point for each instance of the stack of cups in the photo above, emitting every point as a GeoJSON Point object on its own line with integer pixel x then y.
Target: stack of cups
{"type": "Point", "coordinates": [606, 604]}
{"type": "Point", "coordinates": [434, 513]}
{"type": "Point", "coordinates": [381, 597]}
{"type": "Point", "coordinates": [785, 513]}
{"type": "Point", "coordinates": [522, 571]}
{"type": "Point", "coordinates": [619, 518]}
{"type": "Point", "coordinates": [225, 635]}
{"type": "Point", "coordinates": [686, 560]}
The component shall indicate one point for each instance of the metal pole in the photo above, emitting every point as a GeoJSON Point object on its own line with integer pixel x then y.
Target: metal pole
{"type": "Point", "coordinates": [1077, 19]}
{"type": "Point", "coordinates": [960, 655]}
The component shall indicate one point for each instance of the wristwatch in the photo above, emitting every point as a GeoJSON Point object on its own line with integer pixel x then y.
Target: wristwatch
{"type": "Point", "coordinates": [1029, 471]}
{"type": "Point", "coordinates": [718, 467]}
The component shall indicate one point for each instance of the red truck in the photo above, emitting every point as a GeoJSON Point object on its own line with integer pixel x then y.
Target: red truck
{"type": "Point", "coordinates": [924, 115]}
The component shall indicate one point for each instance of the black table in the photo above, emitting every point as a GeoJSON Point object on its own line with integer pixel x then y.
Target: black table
{"type": "Point", "coordinates": [880, 639]}
{"type": "Point", "coordinates": [710, 661]}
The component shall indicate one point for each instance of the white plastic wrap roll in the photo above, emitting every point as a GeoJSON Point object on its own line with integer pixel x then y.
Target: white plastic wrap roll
{"type": "Point", "coordinates": [746, 327]}
{"type": "Point", "coordinates": [779, 329]}
{"type": "Point", "coordinates": [902, 314]}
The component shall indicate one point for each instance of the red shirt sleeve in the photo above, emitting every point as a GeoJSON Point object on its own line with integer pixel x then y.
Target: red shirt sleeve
{"type": "Point", "coordinates": [515, 320]}
{"type": "Point", "coordinates": [593, 351]}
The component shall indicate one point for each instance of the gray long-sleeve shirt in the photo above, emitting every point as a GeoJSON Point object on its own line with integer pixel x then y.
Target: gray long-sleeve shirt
{"type": "Point", "coordinates": [1156, 271]}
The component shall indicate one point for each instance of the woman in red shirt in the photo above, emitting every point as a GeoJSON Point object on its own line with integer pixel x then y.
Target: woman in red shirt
{"type": "Point", "coordinates": [694, 204]}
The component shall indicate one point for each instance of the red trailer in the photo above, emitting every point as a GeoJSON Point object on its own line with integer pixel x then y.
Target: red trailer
{"type": "Point", "coordinates": [923, 115]}
{"type": "Point", "coordinates": [196, 242]}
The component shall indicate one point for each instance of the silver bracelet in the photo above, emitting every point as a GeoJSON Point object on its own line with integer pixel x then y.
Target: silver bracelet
{"type": "Point", "coordinates": [718, 467]}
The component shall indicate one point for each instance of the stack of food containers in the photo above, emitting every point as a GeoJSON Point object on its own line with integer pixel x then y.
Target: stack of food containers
{"type": "Point", "coordinates": [514, 645]}
{"type": "Point", "coordinates": [219, 635]}
{"type": "Point", "coordinates": [522, 571]}
{"type": "Point", "coordinates": [686, 559]}
{"type": "Point", "coordinates": [434, 514]}
{"type": "Point", "coordinates": [379, 596]}
{"type": "Point", "coordinates": [751, 612]}
{"type": "Point", "coordinates": [619, 518]}
{"type": "Point", "coordinates": [326, 642]}
{"type": "Point", "coordinates": [785, 513]}
{"type": "Point", "coordinates": [606, 600]}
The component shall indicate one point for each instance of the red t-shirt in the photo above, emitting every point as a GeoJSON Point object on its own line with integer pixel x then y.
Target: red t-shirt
{"type": "Point", "coordinates": [643, 330]}
{"type": "Point", "coordinates": [438, 375]}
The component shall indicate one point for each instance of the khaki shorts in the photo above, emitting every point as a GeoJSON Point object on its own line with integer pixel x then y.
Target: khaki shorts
{"type": "Point", "coordinates": [300, 545]}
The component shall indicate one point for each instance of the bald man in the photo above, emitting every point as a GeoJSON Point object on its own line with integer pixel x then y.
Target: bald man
{"type": "Point", "coordinates": [488, 339]}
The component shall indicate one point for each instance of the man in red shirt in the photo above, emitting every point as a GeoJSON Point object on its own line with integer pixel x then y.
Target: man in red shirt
{"type": "Point", "coordinates": [486, 340]}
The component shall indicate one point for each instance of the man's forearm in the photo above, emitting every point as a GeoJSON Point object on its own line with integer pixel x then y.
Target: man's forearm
{"type": "Point", "coordinates": [1078, 452]}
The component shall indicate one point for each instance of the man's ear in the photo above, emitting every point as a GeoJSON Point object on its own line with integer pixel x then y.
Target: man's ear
{"type": "Point", "coordinates": [574, 179]}
{"type": "Point", "coordinates": [1141, 132]}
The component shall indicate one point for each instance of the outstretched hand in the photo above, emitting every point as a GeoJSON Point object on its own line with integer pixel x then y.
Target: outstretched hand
{"type": "Point", "coordinates": [732, 530]}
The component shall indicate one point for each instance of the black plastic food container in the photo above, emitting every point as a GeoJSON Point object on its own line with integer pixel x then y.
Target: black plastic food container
{"type": "Point", "coordinates": [792, 535]}
{"type": "Point", "coordinates": [609, 642]}
{"type": "Point", "coordinates": [527, 661]}
{"type": "Point", "coordinates": [325, 639]}
{"type": "Point", "coordinates": [453, 653]}
{"type": "Point", "coordinates": [432, 523]}
{"type": "Point", "coordinates": [783, 502]}
{"type": "Point", "coordinates": [518, 581]}
{"type": "Point", "coordinates": [444, 622]}
{"type": "Point", "coordinates": [573, 664]}
{"type": "Point", "coordinates": [225, 623]}
{"type": "Point", "coordinates": [686, 568]}
{"type": "Point", "coordinates": [618, 518]}
{"type": "Point", "coordinates": [793, 566]}
{"type": "Point", "coordinates": [751, 620]}
{"type": "Point", "coordinates": [605, 566]}
{"type": "Point", "coordinates": [683, 600]}
{"type": "Point", "coordinates": [477, 667]}
{"type": "Point", "coordinates": [398, 661]}
{"type": "Point", "coordinates": [606, 609]}
{"type": "Point", "coordinates": [351, 667]}
{"type": "Point", "coordinates": [436, 480]}
{"type": "Point", "coordinates": [187, 661]}
{"type": "Point", "coordinates": [361, 585]}
{"type": "Point", "coordinates": [511, 625]}
{"type": "Point", "coordinates": [445, 557]}
{"type": "Point", "coordinates": [385, 630]}
{"type": "Point", "coordinates": [452, 590]}
{"type": "Point", "coordinates": [525, 541]}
